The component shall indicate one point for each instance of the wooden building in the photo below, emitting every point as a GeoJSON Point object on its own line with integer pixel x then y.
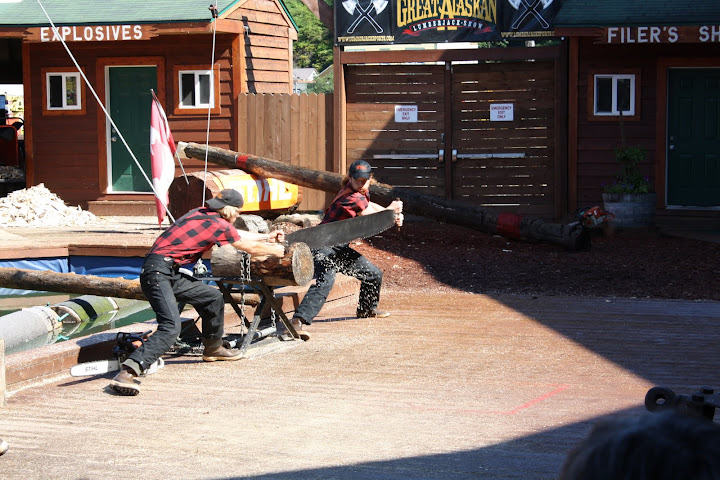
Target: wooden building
{"type": "Point", "coordinates": [657, 62]}
{"type": "Point", "coordinates": [197, 59]}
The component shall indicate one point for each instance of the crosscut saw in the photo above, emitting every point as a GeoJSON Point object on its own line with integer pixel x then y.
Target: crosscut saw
{"type": "Point", "coordinates": [344, 231]}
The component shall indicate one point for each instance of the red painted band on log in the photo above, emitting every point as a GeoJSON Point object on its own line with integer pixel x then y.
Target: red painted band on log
{"type": "Point", "coordinates": [241, 161]}
{"type": "Point", "coordinates": [508, 225]}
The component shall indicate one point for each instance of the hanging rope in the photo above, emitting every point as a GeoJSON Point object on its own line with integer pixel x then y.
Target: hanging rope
{"type": "Point", "coordinates": [107, 115]}
{"type": "Point", "coordinates": [214, 10]}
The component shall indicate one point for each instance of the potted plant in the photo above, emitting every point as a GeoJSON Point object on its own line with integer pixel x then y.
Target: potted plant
{"type": "Point", "coordinates": [629, 197]}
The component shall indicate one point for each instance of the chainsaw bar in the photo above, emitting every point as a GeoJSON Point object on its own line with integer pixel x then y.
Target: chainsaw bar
{"type": "Point", "coordinates": [344, 231]}
{"type": "Point", "coordinates": [101, 367]}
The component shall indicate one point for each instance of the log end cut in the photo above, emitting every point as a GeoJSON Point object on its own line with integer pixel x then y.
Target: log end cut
{"type": "Point", "coordinates": [296, 267]}
{"type": "Point", "coordinates": [302, 263]}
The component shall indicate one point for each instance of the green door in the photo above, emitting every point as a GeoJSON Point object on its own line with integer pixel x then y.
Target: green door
{"type": "Point", "coordinates": [693, 166]}
{"type": "Point", "coordinates": [129, 106]}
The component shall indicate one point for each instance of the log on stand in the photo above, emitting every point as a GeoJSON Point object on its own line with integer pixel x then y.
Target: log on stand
{"type": "Point", "coordinates": [511, 225]}
{"type": "Point", "coordinates": [235, 271]}
{"type": "Point", "coordinates": [295, 268]}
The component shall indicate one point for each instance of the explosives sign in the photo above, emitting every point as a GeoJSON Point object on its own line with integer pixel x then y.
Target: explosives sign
{"type": "Point", "coordinates": [91, 33]}
{"type": "Point", "coordinates": [439, 21]}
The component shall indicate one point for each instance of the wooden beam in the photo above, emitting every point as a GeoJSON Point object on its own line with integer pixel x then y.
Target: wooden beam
{"type": "Point", "coordinates": [27, 98]}
{"type": "Point", "coordinates": [477, 54]}
{"type": "Point", "coordinates": [340, 110]}
{"type": "Point", "coordinates": [572, 134]}
{"type": "Point", "coordinates": [3, 385]}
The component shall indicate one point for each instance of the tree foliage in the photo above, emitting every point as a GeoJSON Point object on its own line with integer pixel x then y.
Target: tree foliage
{"type": "Point", "coordinates": [324, 84]}
{"type": "Point", "coordinates": [314, 46]}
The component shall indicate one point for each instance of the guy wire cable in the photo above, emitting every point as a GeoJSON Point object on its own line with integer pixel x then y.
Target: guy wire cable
{"type": "Point", "coordinates": [107, 115]}
{"type": "Point", "coordinates": [213, 9]}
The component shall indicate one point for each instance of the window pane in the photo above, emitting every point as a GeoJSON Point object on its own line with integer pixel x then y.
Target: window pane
{"type": "Point", "coordinates": [71, 90]}
{"type": "Point", "coordinates": [623, 93]}
{"type": "Point", "coordinates": [603, 95]}
{"type": "Point", "coordinates": [187, 90]}
{"type": "Point", "coordinates": [204, 89]}
{"type": "Point", "coordinates": [55, 89]}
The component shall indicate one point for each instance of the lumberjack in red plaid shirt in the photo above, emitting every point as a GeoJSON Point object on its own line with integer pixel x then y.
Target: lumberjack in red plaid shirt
{"type": "Point", "coordinates": [351, 201]}
{"type": "Point", "coordinates": [185, 241]}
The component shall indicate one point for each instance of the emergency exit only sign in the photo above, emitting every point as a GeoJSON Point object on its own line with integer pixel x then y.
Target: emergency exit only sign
{"type": "Point", "coordinates": [501, 112]}
{"type": "Point", "coordinates": [406, 113]}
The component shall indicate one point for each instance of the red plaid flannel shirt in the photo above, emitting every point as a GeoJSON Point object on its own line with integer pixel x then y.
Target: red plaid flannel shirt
{"type": "Point", "coordinates": [347, 204]}
{"type": "Point", "coordinates": [193, 234]}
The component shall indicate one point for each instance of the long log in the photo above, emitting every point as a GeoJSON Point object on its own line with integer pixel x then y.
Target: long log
{"type": "Point", "coordinates": [49, 281]}
{"type": "Point", "coordinates": [511, 225]}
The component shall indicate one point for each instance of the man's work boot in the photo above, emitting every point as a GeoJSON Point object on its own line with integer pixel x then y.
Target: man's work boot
{"type": "Point", "coordinates": [214, 351]}
{"type": "Point", "coordinates": [297, 324]}
{"type": "Point", "coordinates": [372, 314]}
{"type": "Point", "coordinates": [125, 382]}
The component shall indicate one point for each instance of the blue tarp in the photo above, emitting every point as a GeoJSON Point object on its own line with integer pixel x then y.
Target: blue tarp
{"type": "Point", "coordinates": [125, 267]}
{"type": "Point", "coordinates": [59, 265]}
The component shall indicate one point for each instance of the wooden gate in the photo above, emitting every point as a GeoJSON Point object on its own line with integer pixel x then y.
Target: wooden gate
{"type": "Point", "coordinates": [403, 154]}
{"type": "Point", "coordinates": [508, 164]}
{"type": "Point", "coordinates": [455, 149]}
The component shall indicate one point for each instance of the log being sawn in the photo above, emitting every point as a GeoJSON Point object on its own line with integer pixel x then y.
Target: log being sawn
{"type": "Point", "coordinates": [510, 225]}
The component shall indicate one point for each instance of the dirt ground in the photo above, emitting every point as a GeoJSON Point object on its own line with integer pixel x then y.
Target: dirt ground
{"type": "Point", "coordinates": [645, 264]}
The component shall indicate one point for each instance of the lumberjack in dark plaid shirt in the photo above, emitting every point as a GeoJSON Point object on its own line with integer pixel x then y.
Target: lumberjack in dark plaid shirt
{"type": "Point", "coordinates": [193, 234]}
{"type": "Point", "coordinates": [347, 204]}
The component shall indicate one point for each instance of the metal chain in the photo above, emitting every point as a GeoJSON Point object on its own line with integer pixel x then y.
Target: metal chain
{"type": "Point", "coordinates": [244, 277]}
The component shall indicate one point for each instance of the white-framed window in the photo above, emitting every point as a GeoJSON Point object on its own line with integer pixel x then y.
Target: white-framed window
{"type": "Point", "coordinates": [197, 88]}
{"type": "Point", "coordinates": [63, 91]}
{"type": "Point", "coordinates": [614, 93]}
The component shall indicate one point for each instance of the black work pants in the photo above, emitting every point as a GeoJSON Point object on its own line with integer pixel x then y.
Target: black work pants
{"type": "Point", "coordinates": [164, 288]}
{"type": "Point", "coordinates": [330, 260]}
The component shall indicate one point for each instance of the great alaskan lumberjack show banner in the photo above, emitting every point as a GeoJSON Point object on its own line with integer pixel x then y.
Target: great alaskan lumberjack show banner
{"type": "Point", "coordinates": [363, 22]}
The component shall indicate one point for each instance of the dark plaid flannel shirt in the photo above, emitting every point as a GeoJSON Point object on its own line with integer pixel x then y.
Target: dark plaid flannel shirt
{"type": "Point", "coordinates": [193, 234]}
{"type": "Point", "coordinates": [348, 204]}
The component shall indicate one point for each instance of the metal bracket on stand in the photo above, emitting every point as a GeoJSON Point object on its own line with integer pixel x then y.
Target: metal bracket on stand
{"type": "Point", "coordinates": [227, 285]}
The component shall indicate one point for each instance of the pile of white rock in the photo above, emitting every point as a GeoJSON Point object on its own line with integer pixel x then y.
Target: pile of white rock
{"type": "Point", "coordinates": [39, 207]}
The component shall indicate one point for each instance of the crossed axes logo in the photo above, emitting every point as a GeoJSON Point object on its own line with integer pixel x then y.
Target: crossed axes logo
{"type": "Point", "coordinates": [530, 9]}
{"type": "Point", "coordinates": [364, 13]}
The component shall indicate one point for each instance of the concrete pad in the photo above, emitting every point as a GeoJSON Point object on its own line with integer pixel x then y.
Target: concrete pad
{"type": "Point", "coordinates": [451, 386]}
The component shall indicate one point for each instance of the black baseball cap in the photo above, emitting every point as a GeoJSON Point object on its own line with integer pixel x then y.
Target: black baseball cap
{"type": "Point", "coordinates": [360, 169]}
{"type": "Point", "coordinates": [226, 198]}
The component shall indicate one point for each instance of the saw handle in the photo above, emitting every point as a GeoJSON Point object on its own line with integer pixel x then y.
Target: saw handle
{"type": "Point", "coordinates": [399, 217]}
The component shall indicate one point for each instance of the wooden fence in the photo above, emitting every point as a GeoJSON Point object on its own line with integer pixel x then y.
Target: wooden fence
{"type": "Point", "coordinates": [291, 128]}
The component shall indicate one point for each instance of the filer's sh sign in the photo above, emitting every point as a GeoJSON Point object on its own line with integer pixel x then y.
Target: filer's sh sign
{"type": "Point", "coordinates": [501, 112]}
{"type": "Point", "coordinates": [406, 113]}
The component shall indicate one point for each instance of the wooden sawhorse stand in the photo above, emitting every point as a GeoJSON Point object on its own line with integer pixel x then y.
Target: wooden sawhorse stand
{"type": "Point", "coordinates": [229, 285]}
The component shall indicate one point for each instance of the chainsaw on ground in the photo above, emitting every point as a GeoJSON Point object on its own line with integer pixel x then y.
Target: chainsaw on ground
{"type": "Point", "coordinates": [126, 343]}
{"type": "Point", "coordinates": [344, 231]}
{"type": "Point", "coordinates": [594, 216]}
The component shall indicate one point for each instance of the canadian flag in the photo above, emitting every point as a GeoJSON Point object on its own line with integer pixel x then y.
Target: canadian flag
{"type": "Point", "coordinates": [162, 150]}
